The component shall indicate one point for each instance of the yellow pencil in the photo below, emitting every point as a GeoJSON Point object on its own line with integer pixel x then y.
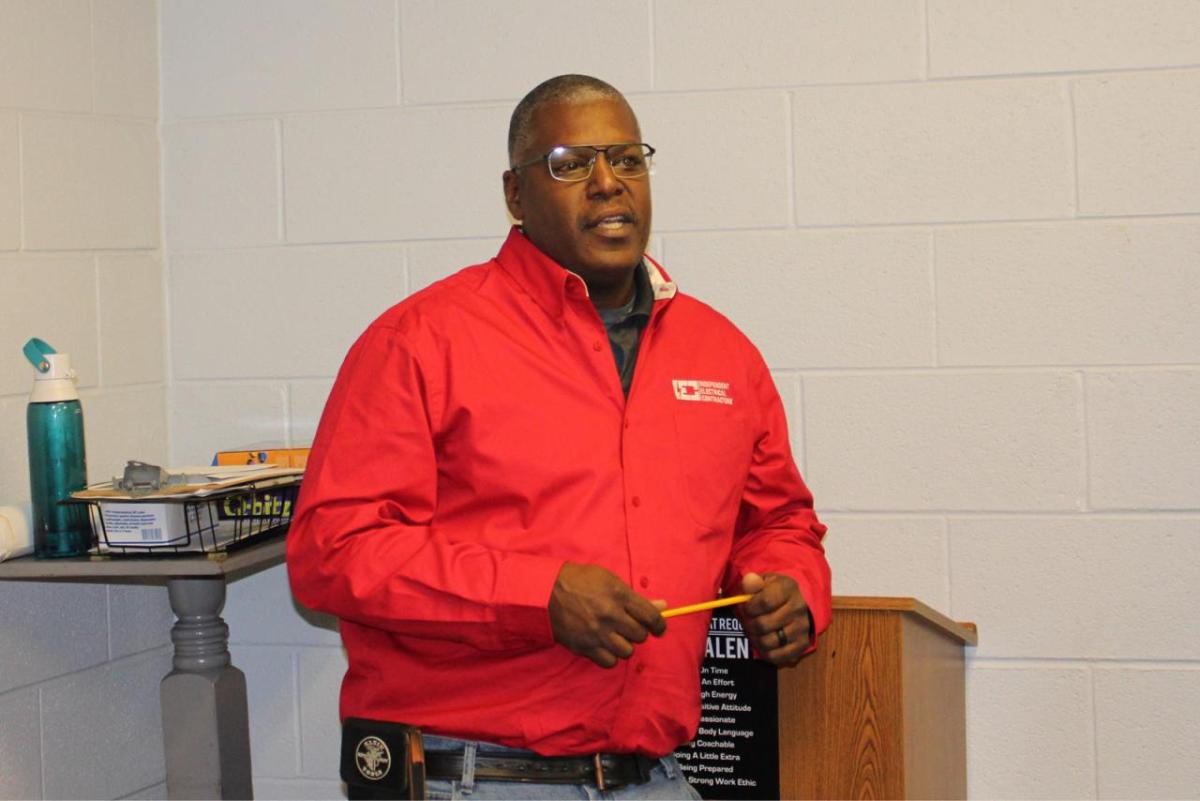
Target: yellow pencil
{"type": "Point", "coordinates": [687, 610]}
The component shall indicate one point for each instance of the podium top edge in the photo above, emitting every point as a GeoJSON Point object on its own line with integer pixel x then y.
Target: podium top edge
{"type": "Point", "coordinates": [964, 631]}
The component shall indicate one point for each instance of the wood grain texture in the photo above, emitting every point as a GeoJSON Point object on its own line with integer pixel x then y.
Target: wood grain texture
{"type": "Point", "coordinates": [840, 713]}
{"type": "Point", "coordinates": [879, 711]}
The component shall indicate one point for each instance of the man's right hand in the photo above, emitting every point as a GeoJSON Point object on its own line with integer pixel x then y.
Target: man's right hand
{"type": "Point", "coordinates": [595, 614]}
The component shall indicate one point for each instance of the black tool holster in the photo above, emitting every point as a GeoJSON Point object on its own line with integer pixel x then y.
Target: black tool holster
{"type": "Point", "coordinates": [382, 760]}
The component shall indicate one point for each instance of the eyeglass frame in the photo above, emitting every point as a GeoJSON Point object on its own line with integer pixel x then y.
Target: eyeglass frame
{"type": "Point", "coordinates": [545, 157]}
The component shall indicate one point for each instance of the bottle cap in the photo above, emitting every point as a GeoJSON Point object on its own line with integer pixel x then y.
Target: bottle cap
{"type": "Point", "coordinates": [54, 380]}
{"type": "Point", "coordinates": [58, 368]}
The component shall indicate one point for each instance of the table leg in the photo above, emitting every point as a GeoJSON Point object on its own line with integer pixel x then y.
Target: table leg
{"type": "Point", "coordinates": [206, 729]}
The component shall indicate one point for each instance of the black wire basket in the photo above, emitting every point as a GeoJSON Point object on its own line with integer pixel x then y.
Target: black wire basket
{"type": "Point", "coordinates": [216, 522]}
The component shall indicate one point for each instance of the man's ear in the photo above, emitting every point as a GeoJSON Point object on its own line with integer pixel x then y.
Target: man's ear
{"type": "Point", "coordinates": [512, 195]}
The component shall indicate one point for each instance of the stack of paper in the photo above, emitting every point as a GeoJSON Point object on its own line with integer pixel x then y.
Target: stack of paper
{"type": "Point", "coordinates": [195, 481]}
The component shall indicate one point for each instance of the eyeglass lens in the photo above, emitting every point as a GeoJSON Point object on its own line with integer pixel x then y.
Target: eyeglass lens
{"type": "Point", "coordinates": [575, 163]}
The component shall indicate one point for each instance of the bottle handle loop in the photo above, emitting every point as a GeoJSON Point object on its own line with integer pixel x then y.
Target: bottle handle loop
{"type": "Point", "coordinates": [36, 351]}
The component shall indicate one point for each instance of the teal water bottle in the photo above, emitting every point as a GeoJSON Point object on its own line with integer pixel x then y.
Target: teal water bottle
{"type": "Point", "coordinates": [57, 462]}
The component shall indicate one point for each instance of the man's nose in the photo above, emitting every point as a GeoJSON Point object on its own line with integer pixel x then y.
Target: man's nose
{"type": "Point", "coordinates": [603, 181]}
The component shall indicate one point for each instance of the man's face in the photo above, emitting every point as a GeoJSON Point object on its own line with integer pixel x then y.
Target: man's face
{"type": "Point", "coordinates": [597, 227]}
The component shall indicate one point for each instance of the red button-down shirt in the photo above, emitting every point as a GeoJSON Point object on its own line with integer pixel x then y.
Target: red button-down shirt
{"type": "Point", "coordinates": [476, 439]}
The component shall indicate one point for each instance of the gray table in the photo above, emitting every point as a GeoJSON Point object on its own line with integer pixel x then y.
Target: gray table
{"type": "Point", "coordinates": [206, 729]}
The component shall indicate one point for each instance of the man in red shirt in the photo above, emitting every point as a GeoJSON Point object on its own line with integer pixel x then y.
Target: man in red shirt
{"type": "Point", "coordinates": [521, 466]}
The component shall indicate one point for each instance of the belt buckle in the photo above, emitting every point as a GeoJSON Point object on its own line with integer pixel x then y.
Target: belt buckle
{"type": "Point", "coordinates": [598, 766]}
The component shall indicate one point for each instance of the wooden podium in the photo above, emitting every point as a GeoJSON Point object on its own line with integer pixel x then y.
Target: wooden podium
{"type": "Point", "coordinates": [879, 711]}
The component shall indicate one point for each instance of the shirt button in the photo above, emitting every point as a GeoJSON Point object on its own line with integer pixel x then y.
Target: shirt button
{"type": "Point", "coordinates": [645, 582]}
{"type": "Point", "coordinates": [636, 501]}
{"type": "Point", "coordinates": [639, 667]}
{"type": "Point", "coordinates": [597, 347]}
{"type": "Point", "coordinates": [627, 424]}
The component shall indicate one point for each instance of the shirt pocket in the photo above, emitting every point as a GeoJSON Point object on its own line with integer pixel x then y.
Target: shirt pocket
{"type": "Point", "coordinates": [715, 449]}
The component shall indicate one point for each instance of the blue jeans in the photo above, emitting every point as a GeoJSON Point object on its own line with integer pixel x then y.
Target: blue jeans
{"type": "Point", "coordinates": [666, 779]}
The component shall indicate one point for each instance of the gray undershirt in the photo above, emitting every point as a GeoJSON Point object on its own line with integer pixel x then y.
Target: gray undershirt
{"type": "Point", "coordinates": [625, 323]}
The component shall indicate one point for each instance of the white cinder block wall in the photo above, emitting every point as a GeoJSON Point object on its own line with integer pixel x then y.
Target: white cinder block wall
{"type": "Point", "coordinates": [966, 236]}
{"type": "Point", "coordinates": [80, 266]}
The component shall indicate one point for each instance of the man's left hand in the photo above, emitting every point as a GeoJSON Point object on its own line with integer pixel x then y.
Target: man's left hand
{"type": "Point", "coordinates": [776, 618]}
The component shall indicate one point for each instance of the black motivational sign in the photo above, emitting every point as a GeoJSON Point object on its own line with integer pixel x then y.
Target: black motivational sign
{"type": "Point", "coordinates": [736, 751]}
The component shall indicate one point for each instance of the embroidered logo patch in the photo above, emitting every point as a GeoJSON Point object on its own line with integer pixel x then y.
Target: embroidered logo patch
{"type": "Point", "coordinates": [372, 758]}
{"type": "Point", "coordinates": [702, 391]}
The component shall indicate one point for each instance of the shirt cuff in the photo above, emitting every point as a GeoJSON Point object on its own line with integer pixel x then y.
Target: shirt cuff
{"type": "Point", "coordinates": [524, 589]}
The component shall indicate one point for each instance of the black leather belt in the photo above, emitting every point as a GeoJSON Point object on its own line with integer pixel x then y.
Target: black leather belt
{"type": "Point", "coordinates": [606, 771]}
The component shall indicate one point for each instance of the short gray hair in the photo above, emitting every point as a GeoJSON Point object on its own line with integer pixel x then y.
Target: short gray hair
{"type": "Point", "coordinates": [559, 89]}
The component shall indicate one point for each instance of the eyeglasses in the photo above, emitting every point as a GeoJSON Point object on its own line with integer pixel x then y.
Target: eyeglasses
{"type": "Point", "coordinates": [575, 162]}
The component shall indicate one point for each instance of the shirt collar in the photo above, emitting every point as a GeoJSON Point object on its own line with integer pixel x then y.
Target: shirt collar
{"type": "Point", "coordinates": [664, 288]}
{"type": "Point", "coordinates": [549, 283]}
